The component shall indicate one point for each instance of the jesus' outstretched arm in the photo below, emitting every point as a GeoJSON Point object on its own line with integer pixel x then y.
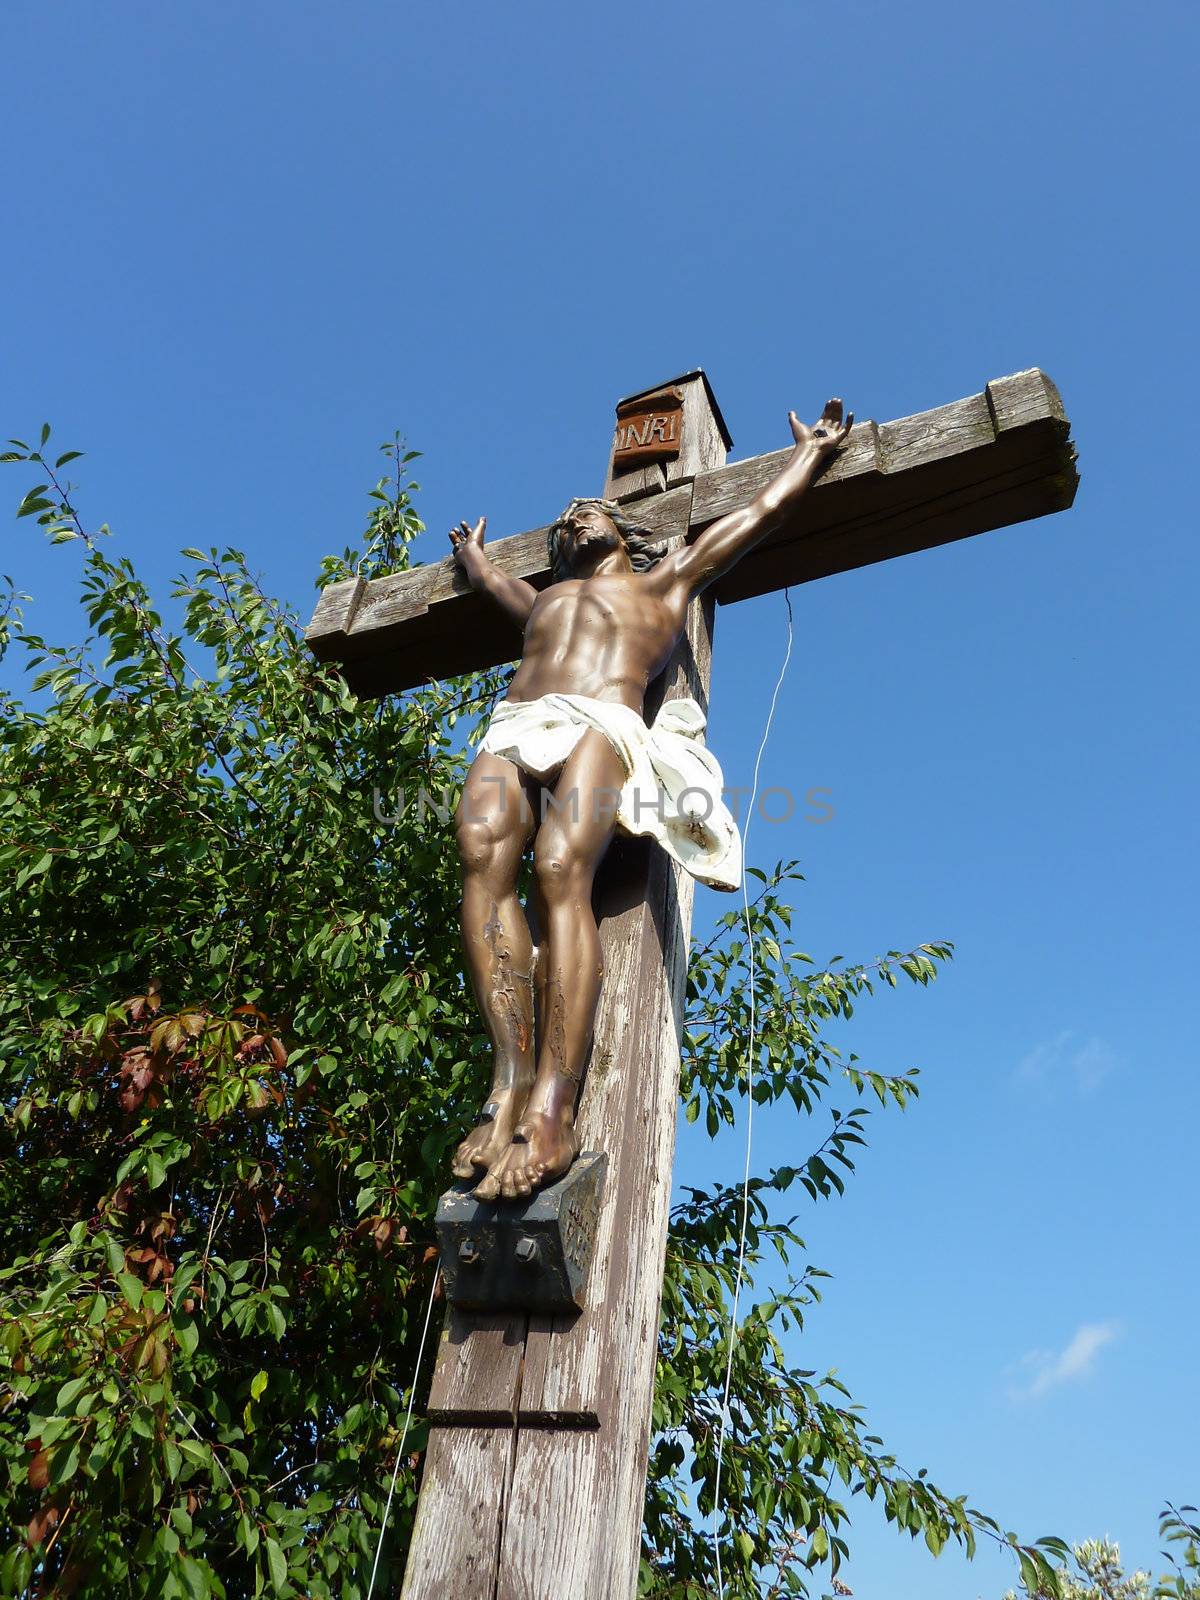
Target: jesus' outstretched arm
{"type": "Point", "coordinates": [728, 539]}
{"type": "Point", "coordinates": [514, 596]}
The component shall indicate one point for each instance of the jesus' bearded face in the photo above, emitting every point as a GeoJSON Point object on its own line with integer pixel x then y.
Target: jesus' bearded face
{"type": "Point", "coordinates": [590, 529]}
{"type": "Point", "coordinates": [588, 533]}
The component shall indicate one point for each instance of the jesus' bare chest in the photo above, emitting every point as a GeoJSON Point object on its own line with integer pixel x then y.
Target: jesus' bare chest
{"type": "Point", "coordinates": [586, 635]}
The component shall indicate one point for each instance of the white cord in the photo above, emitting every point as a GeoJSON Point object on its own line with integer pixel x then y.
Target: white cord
{"type": "Point", "coordinates": [741, 1260]}
{"type": "Point", "coordinates": [412, 1394]}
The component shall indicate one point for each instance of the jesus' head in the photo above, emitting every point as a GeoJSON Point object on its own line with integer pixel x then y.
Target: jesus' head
{"type": "Point", "coordinates": [594, 525]}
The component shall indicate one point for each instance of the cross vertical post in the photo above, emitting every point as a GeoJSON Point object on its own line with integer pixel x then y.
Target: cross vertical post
{"type": "Point", "coordinates": [534, 1477]}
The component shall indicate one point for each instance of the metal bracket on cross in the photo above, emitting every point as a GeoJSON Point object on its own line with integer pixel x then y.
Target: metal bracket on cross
{"type": "Point", "coordinates": [522, 1255]}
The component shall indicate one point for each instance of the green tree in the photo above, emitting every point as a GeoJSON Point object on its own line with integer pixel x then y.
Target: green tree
{"type": "Point", "coordinates": [236, 1049]}
{"type": "Point", "coordinates": [1095, 1571]}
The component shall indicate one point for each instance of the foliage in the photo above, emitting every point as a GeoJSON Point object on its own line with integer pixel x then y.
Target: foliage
{"type": "Point", "coordinates": [1180, 1525]}
{"type": "Point", "coordinates": [1095, 1571]}
{"type": "Point", "coordinates": [236, 1049]}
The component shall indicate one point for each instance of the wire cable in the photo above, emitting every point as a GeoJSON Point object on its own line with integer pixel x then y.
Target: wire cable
{"type": "Point", "coordinates": [750, 1057]}
{"type": "Point", "coordinates": [412, 1394]}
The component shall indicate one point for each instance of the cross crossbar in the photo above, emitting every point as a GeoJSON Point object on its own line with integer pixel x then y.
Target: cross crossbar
{"type": "Point", "coordinates": [992, 459]}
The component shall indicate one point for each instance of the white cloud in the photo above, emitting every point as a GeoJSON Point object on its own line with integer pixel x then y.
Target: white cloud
{"type": "Point", "coordinates": [1068, 1058]}
{"type": "Point", "coordinates": [1076, 1361]}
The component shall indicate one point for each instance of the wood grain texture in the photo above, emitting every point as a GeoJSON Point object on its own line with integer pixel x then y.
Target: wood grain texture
{"type": "Point", "coordinates": [898, 515]}
{"type": "Point", "coordinates": [704, 443]}
{"type": "Point", "coordinates": [335, 612]}
{"type": "Point", "coordinates": [894, 488]}
{"type": "Point", "coordinates": [478, 1372]}
{"type": "Point", "coordinates": [1024, 397]}
{"type": "Point", "coordinates": [989, 461]}
{"type": "Point", "coordinates": [456, 1536]}
{"type": "Point", "coordinates": [632, 483]}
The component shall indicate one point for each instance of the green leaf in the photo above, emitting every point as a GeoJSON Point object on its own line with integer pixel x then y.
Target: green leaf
{"type": "Point", "coordinates": [187, 1334]}
{"type": "Point", "coordinates": [277, 1564]}
{"type": "Point", "coordinates": [69, 1392]}
{"type": "Point", "coordinates": [131, 1288]}
{"type": "Point", "coordinates": [196, 1579]}
{"type": "Point", "coordinates": [42, 864]}
{"type": "Point", "coordinates": [64, 1466]}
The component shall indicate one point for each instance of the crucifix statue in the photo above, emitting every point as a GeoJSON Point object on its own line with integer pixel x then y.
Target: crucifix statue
{"type": "Point", "coordinates": [533, 1480]}
{"type": "Point", "coordinates": [559, 766]}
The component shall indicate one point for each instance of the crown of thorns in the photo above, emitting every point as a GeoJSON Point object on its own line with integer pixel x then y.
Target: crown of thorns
{"type": "Point", "coordinates": [637, 540]}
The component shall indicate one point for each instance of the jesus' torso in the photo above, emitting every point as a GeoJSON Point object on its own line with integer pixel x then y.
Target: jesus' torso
{"type": "Point", "coordinates": [605, 637]}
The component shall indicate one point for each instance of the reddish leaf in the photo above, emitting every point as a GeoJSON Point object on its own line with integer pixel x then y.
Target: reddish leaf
{"type": "Point", "coordinates": [39, 1470]}
{"type": "Point", "coordinates": [42, 1523]}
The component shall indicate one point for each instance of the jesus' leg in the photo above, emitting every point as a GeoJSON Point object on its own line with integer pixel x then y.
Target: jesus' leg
{"type": "Point", "coordinates": [494, 824]}
{"type": "Point", "coordinates": [571, 840]}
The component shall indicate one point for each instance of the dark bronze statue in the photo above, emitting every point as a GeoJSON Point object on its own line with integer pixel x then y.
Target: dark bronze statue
{"type": "Point", "coordinates": [566, 760]}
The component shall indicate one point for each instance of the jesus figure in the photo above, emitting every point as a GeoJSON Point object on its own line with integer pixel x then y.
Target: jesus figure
{"type": "Point", "coordinates": [567, 759]}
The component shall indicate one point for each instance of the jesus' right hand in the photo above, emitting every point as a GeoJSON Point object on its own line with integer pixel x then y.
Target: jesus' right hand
{"type": "Point", "coordinates": [465, 538]}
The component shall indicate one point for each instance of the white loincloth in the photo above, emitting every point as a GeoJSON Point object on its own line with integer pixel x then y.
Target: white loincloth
{"type": "Point", "coordinates": [672, 790]}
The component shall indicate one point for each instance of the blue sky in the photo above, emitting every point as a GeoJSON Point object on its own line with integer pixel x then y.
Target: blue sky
{"type": "Point", "coordinates": [244, 243]}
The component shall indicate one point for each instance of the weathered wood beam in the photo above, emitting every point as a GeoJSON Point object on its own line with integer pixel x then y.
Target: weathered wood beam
{"type": "Point", "coordinates": [984, 462]}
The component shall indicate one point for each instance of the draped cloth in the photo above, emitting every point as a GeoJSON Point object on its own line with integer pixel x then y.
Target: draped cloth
{"type": "Point", "coordinates": [673, 783]}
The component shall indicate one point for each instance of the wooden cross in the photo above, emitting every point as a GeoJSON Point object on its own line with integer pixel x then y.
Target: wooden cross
{"type": "Point", "coordinates": [534, 1477]}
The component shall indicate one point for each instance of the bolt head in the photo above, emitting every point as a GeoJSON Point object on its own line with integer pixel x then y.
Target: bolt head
{"type": "Point", "coordinates": [468, 1252]}
{"type": "Point", "coordinates": [526, 1250]}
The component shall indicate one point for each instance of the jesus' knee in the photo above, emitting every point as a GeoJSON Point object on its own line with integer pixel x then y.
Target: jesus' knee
{"type": "Point", "coordinates": [480, 845]}
{"type": "Point", "coordinates": [562, 872]}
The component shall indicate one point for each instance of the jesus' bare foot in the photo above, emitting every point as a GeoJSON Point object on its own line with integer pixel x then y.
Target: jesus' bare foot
{"type": "Point", "coordinates": [487, 1143]}
{"type": "Point", "coordinates": [543, 1147]}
